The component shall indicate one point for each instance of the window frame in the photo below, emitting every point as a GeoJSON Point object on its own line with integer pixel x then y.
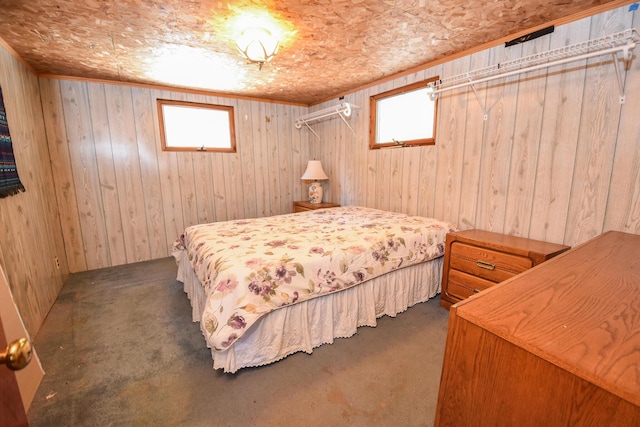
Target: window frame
{"type": "Point", "coordinates": [373, 103]}
{"type": "Point", "coordinates": [189, 104]}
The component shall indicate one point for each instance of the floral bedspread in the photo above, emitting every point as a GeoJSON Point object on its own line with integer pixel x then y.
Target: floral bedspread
{"type": "Point", "coordinates": [251, 267]}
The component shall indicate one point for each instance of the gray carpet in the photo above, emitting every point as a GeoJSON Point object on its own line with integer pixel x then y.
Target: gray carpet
{"type": "Point", "coordinates": [119, 349]}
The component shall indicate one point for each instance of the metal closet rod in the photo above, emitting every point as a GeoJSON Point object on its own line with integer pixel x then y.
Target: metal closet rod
{"type": "Point", "coordinates": [603, 45]}
{"type": "Point", "coordinates": [343, 109]}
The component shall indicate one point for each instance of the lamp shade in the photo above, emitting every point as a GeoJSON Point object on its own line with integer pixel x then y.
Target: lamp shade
{"type": "Point", "coordinates": [314, 171]}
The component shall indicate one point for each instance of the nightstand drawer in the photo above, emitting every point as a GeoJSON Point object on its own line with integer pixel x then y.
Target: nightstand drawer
{"type": "Point", "coordinates": [463, 285]}
{"type": "Point", "coordinates": [306, 206]}
{"type": "Point", "coordinates": [486, 263]}
{"type": "Point", "coordinates": [475, 260]}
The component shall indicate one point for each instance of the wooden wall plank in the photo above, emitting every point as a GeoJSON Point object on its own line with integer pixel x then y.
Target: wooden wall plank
{"type": "Point", "coordinates": [232, 170]}
{"type": "Point", "coordinates": [358, 151]}
{"type": "Point", "coordinates": [599, 125]}
{"type": "Point", "coordinates": [427, 178]}
{"type": "Point", "coordinates": [109, 194]}
{"type": "Point", "coordinates": [526, 143]}
{"type": "Point", "coordinates": [427, 165]}
{"type": "Point", "coordinates": [66, 205]}
{"type": "Point", "coordinates": [559, 139]}
{"type": "Point", "coordinates": [246, 148]}
{"type": "Point", "coordinates": [189, 185]}
{"type": "Point", "coordinates": [144, 110]}
{"type": "Point", "coordinates": [341, 183]}
{"type": "Point", "coordinates": [260, 160]}
{"type": "Point", "coordinates": [474, 147]}
{"type": "Point", "coordinates": [204, 187]}
{"type": "Point", "coordinates": [326, 148]}
{"type": "Point", "coordinates": [450, 142]}
{"type": "Point", "coordinates": [623, 203]}
{"type": "Point", "coordinates": [218, 186]}
{"type": "Point", "coordinates": [301, 152]}
{"type": "Point", "coordinates": [394, 179]}
{"type": "Point", "coordinates": [301, 149]}
{"type": "Point", "coordinates": [397, 172]}
{"type": "Point", "coordinates": [209, 176]}
{"type": "Point", "coordinates": [84, 167]}
{"type": "Point", "coordinates": [410, 179]}
{"type": "Point", "coordinates": [498, 143]}
{"type": "Point", "coordinates": [203, 172]}
{"type": "Point", "coordinates": [380, 185]}
{"type": "Point", "coordinates": [188, 189]}
{"type": "Point", "coordinates": [169, 180]}
{"type": "Point", "coordinates": [272, 160]}
{"type": "Point", "coordinates": [125, 153]}
{"type": "Point", "coordinates": [282, 118]}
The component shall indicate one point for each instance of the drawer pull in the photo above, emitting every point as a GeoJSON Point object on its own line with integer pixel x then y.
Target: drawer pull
{"type": "Point", "coordinates": [476, 291]}
{"type": "Point", "coordinates": [485, 265]}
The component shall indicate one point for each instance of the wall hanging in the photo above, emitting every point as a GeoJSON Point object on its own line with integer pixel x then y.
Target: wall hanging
{"type": "Point", "coordinates": [9, 181]}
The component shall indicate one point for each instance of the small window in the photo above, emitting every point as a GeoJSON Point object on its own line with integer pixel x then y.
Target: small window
{"type": "Point", "coordinates": [403, 117]}
{"type": "Point", "coordinates": [191, 126]}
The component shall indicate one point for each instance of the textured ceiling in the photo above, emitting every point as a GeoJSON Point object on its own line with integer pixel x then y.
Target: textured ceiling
{"type": "Point", "coordinates": [328, 47]}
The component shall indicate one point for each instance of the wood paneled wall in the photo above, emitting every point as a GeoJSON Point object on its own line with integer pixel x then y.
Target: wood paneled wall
{"type": "Point", "coordinates": [555, 160]}
{"type": "Point", "coordinates": [558, 158]}
{"type": "Point", "coordinates": [123, 200]}
{"type": "Point", "coordinates": [30, 234]}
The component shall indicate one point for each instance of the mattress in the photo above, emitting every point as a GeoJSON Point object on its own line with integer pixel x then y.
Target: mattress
{"type": "Point", "coordinates": [241, 273]}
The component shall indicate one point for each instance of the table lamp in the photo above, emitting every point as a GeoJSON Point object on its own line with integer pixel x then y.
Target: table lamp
{"type": "Point", "coordinates": [314, 173]}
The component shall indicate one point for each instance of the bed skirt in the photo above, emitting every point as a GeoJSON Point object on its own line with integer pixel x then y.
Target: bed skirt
{"type": "Point", "coordinates": [309, 324]}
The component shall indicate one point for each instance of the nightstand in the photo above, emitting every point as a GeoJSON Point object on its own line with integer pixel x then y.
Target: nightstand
{"type": "Point", "coordinates": [306, 206]}
{"type": "Point", "coordinates": [475, 260]}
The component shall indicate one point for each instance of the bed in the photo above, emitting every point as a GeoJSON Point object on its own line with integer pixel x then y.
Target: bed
{"type": "Point", "coordinates": [265, 288]}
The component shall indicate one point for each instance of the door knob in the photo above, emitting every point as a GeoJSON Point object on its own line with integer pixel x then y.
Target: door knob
{"type": "Point", "coordinates": [17, 355]}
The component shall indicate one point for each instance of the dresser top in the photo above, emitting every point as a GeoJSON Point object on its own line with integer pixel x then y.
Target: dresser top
{"type": "Point", "coordinates": [513, 244]}
{"type": "Point", "coordinates": [579, 311]}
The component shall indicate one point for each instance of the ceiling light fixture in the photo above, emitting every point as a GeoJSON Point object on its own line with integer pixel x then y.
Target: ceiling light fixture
{"type": "Point", "coordinates": [257, 45]}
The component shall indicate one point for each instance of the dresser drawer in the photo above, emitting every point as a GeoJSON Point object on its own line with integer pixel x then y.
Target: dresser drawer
{"type": "Point", "coordinates": [462, 285]}
{"type": "Point", "coordinates": [486, 263]}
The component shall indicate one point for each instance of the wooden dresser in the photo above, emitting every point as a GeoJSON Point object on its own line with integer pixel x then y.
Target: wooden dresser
{"type": "Point", "coordinates": [306, 206]}
{"type": "Point", "coordinates": [474, 260]}
{"type": "Point", "coordinates": [558, 345]}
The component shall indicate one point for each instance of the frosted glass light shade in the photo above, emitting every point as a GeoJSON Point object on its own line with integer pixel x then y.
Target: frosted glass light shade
{"type": "Point", "coordinates": [257, 45]}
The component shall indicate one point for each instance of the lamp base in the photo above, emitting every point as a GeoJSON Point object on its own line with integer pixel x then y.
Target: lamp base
{"type": "Point", "coordinates": [315, 193]}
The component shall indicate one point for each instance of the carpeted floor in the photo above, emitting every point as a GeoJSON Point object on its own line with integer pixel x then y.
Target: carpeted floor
{"type": "Point", "coordinates": [119, 349]}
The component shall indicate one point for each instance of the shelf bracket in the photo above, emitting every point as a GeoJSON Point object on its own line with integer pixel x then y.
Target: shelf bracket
{"type": "Point", "coordinates": [626, 57]}
{"type": "Point", "coordinates": [484, 108]}
{"type": "Point", "coordinates": [312, 131]}
{"type": "Point", "coordinates": [344, 119]}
